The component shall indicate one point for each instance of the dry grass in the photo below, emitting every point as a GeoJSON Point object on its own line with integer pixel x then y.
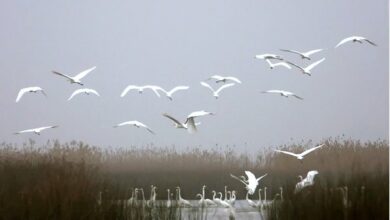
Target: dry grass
{"type": "Point", "coordinates": [63, 181]}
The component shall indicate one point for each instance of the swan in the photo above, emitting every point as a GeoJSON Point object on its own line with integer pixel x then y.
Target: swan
{"type": "Point", "coordinates": [283, 93]}
{"type": "Point", "coordinates": [308, 181]}
{"type": "Point", "coordinates": [86, 91]}
{"type": "Point", "coordinates": [259, 203]}
{"type": "Point", "coordinates": [267, 56]}
{"type": "Point", "coordinates": [169, 202]}
{"type": "Point", "coordinates": [251, 183]}
{"type": "Point", "coordinates": [222, 202]}
{"type": "Point", "coordinates": [273, 65]}
{"type": "Point", "coordinates": [232, 199]}
{"type": "Point", "coordinates": [216, 92]}
{"type": "Point", "coordinates": [33, 89]}
{"type": "Point", "coordinates": [301, 155]}
{"type": "Point", "coordinates": [355, 39]}
{"type": "Point", "coordinates": [182, 202]}
{"type": "Point", "coordinates": [251, 202]}
{"type": "Point", "coordinates": [78, 77]}
{"type": "Point", "coordinates": [223, 79]}
{"type": "Point", "coordinates": [207, 201]}
{"type": "Point", "coordinates": [304, 55]}
{"type": "Point", "coordinates": [174, 90]}
{"type": "Point", "coordinates": [36, 130]}
{"type": "Point", "coordinates": [140, 89]}
{"type": "Point", "coordinates": [136, 124]}
{"type": "Point", "coordinates": [307, 70]}
{"type": "Point", "coordinates": [204, 202]}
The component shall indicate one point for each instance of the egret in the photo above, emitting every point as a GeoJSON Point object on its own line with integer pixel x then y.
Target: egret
{"type": "Point", "coordinates": [33, 89]}
{"type": "Point", "coordinates": [135, 124]}
{"type": "Point", "coordinates": [307, 70]}
{"type": "Point", "coordinates": [355, 39]}
{"type": "Point", "coordinates": [308, 181]}
{"type": "Point", "coordinates": [282, 93]}
{"type": "Point", "coordinates": [301, 155]}
{"type": "Point", "coordinates": [251, 183]}
{"type": "Point", "coordinates": [78, 77]}
{"type": "Point", "coordinates": [85, 91]}
{"type": "Point", "coordinates": [36, 130]}
{"type": "Point", "coordinates": [304, 55]}
{"type": "Point", "coordinates": [140, 89]}
{"type": "Point", "coordinates": [216, 92]}
{"type": "Point", "coordinates": [174, 90]}
{"type": "Point", "coordinates": [223, 79]}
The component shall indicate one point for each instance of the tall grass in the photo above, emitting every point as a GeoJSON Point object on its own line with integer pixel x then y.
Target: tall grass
{"type": "Point", "coordinates": [64, 180]}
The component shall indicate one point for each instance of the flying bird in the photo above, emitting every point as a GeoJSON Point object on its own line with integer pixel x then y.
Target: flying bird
{"type": "Point", "coordinates": [283, 93]}
{"type": "Point", "coordinates": [135, 124]}
{"type": "Point", "coordinates": [78, 77]}
{"type": "Point", "coordinates": [307, 70]}
{"type": "Point", "coordinates": [273, 65]}
{"type": "Point", "coordinates": [223, 79]}
{"type": "Point", "coordinates": [267, 56]}
{"type": "Point", "coordinates": [251, 183]}
{"type": "Point", "coordinates": [140, 89]}
{"type": "Point", "coordinates": [308, 181]}
{"type": "Point", "coordinates": [36, 130]}
{"type": "Point", "coordinates": [301, 155]}
{"type": "Point", "coordinates": [355, 39]}
{"type": "Point", "coordinates": [190, 125]}
{"type": "Point", "coordinates": [170, 92]}
{"type": "Point", "coordinates": [216, 92]}
{"type": "Point", "coordinates": [304, 55]}
{"type": "Point", "coordinates": [86, 91]}
{"type": "Point", "coordinates": [33, 89]}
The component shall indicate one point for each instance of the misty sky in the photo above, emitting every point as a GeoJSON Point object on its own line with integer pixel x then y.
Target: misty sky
{"type": "Point", "coordinates": [175, 42]}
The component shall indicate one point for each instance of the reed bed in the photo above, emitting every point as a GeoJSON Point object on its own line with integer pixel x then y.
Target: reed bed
{"type": "Point", "coordinates": [65, 180]}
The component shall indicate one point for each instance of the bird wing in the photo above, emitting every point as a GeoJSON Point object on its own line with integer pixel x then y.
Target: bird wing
{"type": "Point", "coordinates": [311, 52]}
{"type": "Point", "coordinates": [251, 176]}
{"type": "Point", "coordinates": [24, 131]}
{"type": "Point", "coordinates": [310, 150]}
{"type": "Point", "coordinates": [216, 77]}
{"type": "Point", "coordinates": [150, 130]}
{"type": "Point", "coordinates": [311, 66]}
{"type": "Point", "coordinates": [172, 118]}
{"type": "Point", "coordinates": [286, 152]}
{"type": "Point", "coordinates": [46, 127]}
{"type": "Point", "coordinates": [282, 64]}
{"type": "Point", "coordinates": [78, 91]}
{"type": "Point", "coordinates": [273, 91]}
{"type": "Point", "coordinates": [298, 97]}
{"type": "Point", "coordinates": [310, 175]}
{"type": "Point", "coordinates": [178, 88]}
{"type": "Point", "coordinates": [224, 87]}
{"type": "Point", "coordinates": [207, 86]}
{"type": "Point", "coordinates": [235, 79]}
{"type": "Point", "coordinates": [293, 64]}
{"type": "Point", "coordinates": [191, 125]}
{"type": "Point", "coordinates": [125, 123]}
{"type": "Point", "coordinates": [61, 74]}
{"type": "Point", "coordinates": [128, 88]}
{"type": "Point", "coordinates": [370, 42]}
{"type": "Point", "coordinates": [21, 93]}
{"type": "Point", "coordinates": [237, 179]}
{"type": "Point", "coordinates": [93, 91]}
{"type": "Point", "coordinates": [345, 41]}
{"type": "Point", "coordinates": [292, 51]}
{"type": "Point", "coordinates": [198, 114]}
{"type": "Point", "coordinates": [84, 73]}
{"type": "Point", "coordinates": [258, 179]}
{"type": "Point", "coordinates": [154, 89]}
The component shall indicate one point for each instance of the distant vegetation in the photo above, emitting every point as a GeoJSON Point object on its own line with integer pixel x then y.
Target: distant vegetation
{"type": "Point", "coordinates": [64, 180]}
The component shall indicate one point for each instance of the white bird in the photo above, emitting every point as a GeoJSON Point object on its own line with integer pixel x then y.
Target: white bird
{"type": "Point", "coordinates": [283, 93]}
{"type": "Point", "coordinates": [304, 55]}
{"type": "Point", "coordinates": [223, 79]}
{"type": "Point", "coordinates": [136, 124]}
{"type": "Point", "coordinates": [308, 181]}
{"type": "Point", "coordinates": [140, 89]}
{"type": "Point", "coordinates": [267, 56]}
{"type": "Point", "coordinates": [222, 202]}
{"type": "Point", "coordinates": [182, 202]}
{"type": "Point", "coordinates": [205, 202]}
{"type": "Point", "coordinates": [251, 183]}
{"type": "Point", "coordinates": [301, 155]}
{"type": "Point", "coordinates": [78, 77]}
{"type": "Point", "coordinates": [189, 124]}
{"type": "Point", "coordinates": [36, 130]}
{"type": "Point", "coordinates": [273, 65]}
{"type": "Point", "coordinates": [33, 89]}
{"type": "Point", "coordinates": [86, 91]}
{"type": "Point", "coordinates": [170, 92]}
{"type": "Point", "coordinates": [355, 39]}
{"type": "Point", "coordinates": [216, 92]}
{"type": "Point", "coordinates": [251, 202]}
{"type": "Point", "coordinates": [307, 70]}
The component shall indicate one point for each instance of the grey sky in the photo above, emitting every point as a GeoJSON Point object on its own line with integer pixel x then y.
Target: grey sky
{"type": "Point", "coordinates": [171, 43]}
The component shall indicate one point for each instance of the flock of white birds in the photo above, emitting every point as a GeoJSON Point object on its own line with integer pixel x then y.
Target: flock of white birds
{"type": "Point", "coordinates": [189, 124]}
